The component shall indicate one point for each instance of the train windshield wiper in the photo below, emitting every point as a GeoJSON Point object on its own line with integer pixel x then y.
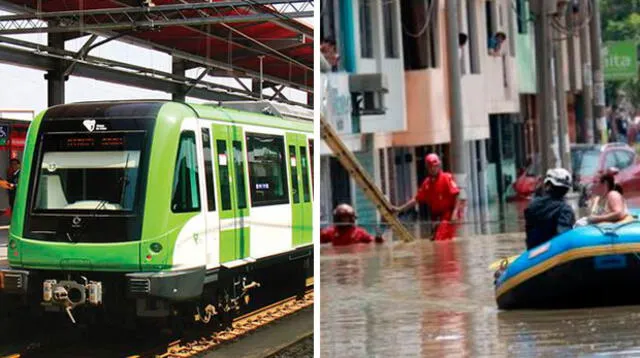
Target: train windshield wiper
{"type": "Point", "coordinates": [125, 181]}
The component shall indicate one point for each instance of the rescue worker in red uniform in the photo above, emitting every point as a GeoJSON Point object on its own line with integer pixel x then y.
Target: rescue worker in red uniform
{"type": "Point", "coordinates": [344, 231]}
{"type": "Point", "coordinates": [440, 192]}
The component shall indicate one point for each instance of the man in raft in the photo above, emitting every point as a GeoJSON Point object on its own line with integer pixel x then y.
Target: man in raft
{"type": "Point", "coordinates": [549, 215]}
{"type": "Point", "coordinates": [344, 231]}
{"type": "Point", "coordinates": [440, 192]}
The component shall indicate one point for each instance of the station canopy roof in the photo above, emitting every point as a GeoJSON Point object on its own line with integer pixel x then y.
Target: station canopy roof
{"type": "Point", "coordinates": [229, 37]}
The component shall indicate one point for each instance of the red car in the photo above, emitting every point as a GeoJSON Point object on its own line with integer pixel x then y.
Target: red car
{"type": "Point", "coordinates": [588, 161]}
{"type": "Point", "coordinates": [629, 180]}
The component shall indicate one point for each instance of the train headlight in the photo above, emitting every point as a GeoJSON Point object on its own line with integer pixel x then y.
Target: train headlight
{"type": "Point", "coordinates": [156, 247]}
{"type": "Point", "coordinates": [12, 244]}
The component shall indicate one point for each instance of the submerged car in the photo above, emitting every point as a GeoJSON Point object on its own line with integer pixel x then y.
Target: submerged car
{"type": "Point", "coordinates": [588, 161]}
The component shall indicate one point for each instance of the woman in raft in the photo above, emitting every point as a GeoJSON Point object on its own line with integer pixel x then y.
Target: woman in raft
{"type": "Point", "coordinates": [610, 207]}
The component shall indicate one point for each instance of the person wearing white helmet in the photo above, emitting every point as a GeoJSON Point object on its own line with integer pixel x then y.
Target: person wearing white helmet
{"type": "Point", "coordinates": [549, 215]}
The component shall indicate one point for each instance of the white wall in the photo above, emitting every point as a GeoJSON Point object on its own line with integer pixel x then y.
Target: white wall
{"type": "Point", "coordinates": [395, 118]}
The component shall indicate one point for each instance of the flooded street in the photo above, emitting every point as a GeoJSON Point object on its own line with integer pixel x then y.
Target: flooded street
{"type": "Point", "coordinates": [433, 299]}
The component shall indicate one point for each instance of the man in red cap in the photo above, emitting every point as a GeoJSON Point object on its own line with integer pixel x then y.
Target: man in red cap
{"type": "Point", "coordinates": [440, 192]}
{"type": "Point", "coordinates": [344, 231]}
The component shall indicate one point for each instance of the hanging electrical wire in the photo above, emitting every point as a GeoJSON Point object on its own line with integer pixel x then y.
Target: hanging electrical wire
{"type": "Point", "coordinates": [573, 30]}
{"type": "Point", "coordinates": [429, 14]}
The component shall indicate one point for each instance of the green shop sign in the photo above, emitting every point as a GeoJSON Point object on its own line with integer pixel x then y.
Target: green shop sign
{"type": "Point", "coordinates": [620, 60]}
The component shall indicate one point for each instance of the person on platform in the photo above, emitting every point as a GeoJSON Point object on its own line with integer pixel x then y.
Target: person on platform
{"type": "Point", "coordinates": [549, 215]}
{"type": "Point", "coordinates": [440, 192]}
{"type": "Point", "coordinates": [13, 177]}
{"type": "Point", "coordinates": [345, 231]}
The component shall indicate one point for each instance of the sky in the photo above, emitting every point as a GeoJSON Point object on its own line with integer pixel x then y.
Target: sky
{"type": "Point", "coordinates": [26, 89]}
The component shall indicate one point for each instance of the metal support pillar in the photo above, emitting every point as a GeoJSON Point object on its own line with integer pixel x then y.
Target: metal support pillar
{"type": "Point", "coordinates": [548, 139]}
{"type": "Point", "coordinates": [256, 87]}
{"type": "Point", "coordinates": [178, 68]}
{"type": "Point", "coordinates": [585, 59]}
{"type": "Point", "coordinates": [56, 78]}
{"type": "Point", "coordinates": [458, 152]}
{"type": "Point", "coordinates": [561, 102]}
{"type": "Point", "coordinates": [598, 75]}
{"type": "Point", "coordinates": [310, 98]}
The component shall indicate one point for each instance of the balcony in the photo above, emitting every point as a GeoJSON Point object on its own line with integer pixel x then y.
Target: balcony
{"type": "Point", "coordinates": [501, 85]}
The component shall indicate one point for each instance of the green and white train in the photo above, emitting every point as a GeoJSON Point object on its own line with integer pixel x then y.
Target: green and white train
{"type": "Point", "coordinates": [161, 209]}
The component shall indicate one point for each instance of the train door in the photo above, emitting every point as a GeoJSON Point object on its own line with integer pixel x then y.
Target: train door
{"type": "Point", "coordinates": [232, 191]}
{"type": "Point", "coordinates": [212, 236]}
{"type": "Point", "coordinates": [299, 173]}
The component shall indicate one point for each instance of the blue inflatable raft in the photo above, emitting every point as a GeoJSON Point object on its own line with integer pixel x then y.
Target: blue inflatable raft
{"type": "Point", "coordinates": [585, 267]}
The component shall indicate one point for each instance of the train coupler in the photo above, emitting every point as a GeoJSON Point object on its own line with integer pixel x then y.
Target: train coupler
{"type": "Point", "coordinates": [70, 294]}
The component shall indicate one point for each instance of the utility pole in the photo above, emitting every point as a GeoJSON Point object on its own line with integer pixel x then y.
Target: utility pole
{"type": "Point", "coordinates": [598, 76]}
{"type": "Point", "coordinates": [561, 99]}
{"type": "Point", "coordinates": [571, 51]}
{"type": "Point", "coordinates": [587, 122]}
{"type": "Point", "coordinates": [458, 157]}
{"type": "Point", "coordinates": [548, 139]}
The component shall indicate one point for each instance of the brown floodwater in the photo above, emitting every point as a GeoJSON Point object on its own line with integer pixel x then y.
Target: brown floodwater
{"type": "Point", "coordinates": [436, 299]}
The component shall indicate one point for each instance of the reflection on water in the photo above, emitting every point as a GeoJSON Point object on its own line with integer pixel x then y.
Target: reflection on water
{"type": "Point", "coordinates": [434, 299]}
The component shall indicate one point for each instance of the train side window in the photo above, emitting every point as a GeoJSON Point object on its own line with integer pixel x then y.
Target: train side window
{"type": "Point", "coordinates": [223, 170]}
{"type": "Point", "coordinates": [186, 194]}
{"type": "Point", "coordinates": [305, 174]}
{"type": "Point", "coordinates": [267, 169]}
{"type": "Point", "coordinates": [238, 160]}
{"type": "Point", "coordinates": [208, 169]}
{"type": "Point", "coordinates": [294, 174]}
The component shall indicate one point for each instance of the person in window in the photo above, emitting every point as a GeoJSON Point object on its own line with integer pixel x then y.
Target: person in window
{"type": "Point", "coordinates": [496, 43]}
{"type": "Point", "coordinates": [549, 215]}
{"type": "Point", "coordinates": [610, 207]}
{"type": "Point", "coordinates": [329, 51]}
{"type": "Point", "coordinates": [344, 231]}
{"type": "Point", "coordinates": [462, 40]}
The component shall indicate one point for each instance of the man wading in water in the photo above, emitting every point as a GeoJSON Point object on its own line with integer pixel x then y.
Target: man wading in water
{"type": "Point", "coordinates": [440, 192]}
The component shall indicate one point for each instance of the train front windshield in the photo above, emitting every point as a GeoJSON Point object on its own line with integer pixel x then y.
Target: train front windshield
{"type": "Point", "coordinates": [89, 171]}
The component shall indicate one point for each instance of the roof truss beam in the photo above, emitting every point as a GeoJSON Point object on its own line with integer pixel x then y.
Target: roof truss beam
{"type": "Point", "coordinates": [128, 18]}
{"type": "Point", "coordinates": [47, 58]}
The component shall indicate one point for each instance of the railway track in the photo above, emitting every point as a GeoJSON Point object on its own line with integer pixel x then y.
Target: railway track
{"type": "Point", "coordinates": [200, 342]}
{"type": "Point", "coordinates": [241, 326]}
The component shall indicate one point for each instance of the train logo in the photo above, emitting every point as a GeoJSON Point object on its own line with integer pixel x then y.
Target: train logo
{"type": "Point", "coordinates": [76, 221]}
{"type": "Point", "coordinates": [90, 124]}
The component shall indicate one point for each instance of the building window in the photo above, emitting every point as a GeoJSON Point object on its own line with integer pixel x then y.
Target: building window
{"type": "Point", "coordinates": [267, 170]}
{"type": "Point", "coordinates": [420, 36]}
{"type": "Point", "coordinates": [328, 19]}
{"type": "Point", "coordinates": [522, 16]}
{"type": "Point", "coordinates": [208, 169]}
{"type": "Point", "coordinates": [472, 39]}
{"type": "Point", "coordinates": [186, 192]}
{"type": "Point", "coordinates": [383, 173]}
{"type": "Point", "coordinates": [366, 40]}
{"type": "Point", "coordinates": [490, 16]}
{"type": "Point", "coordinates": [390, 26]}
